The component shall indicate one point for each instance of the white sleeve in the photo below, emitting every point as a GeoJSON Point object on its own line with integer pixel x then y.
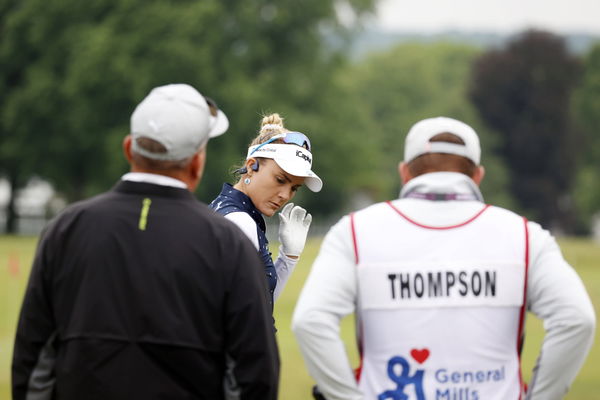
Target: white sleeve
{"type": "Point", "coordinates": [246, 224]}
{"type": "Point", "coordinates": [557, 295]}
{"type": "Point", "coordinates": [329, 295]}
{"type": "Point", "coordinates": [284, 266]}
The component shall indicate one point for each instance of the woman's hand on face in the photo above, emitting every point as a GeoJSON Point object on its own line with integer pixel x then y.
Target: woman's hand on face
{"type": "Point", "coordinates": [294, 222]}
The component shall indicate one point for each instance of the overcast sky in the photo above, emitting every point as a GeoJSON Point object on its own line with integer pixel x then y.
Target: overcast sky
{"type": "Point", "coordinates": [502, 16]}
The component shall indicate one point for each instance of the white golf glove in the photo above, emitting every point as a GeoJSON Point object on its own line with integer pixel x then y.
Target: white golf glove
{"type": "Point", "coordinates": [294, 222]}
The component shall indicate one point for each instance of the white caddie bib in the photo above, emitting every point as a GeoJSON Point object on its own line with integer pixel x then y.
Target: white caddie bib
{"type": "Point", "coordinates": [440, 311]}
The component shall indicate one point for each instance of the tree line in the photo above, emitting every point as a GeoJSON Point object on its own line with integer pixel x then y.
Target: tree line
{"type": "Point", "coordinates": [72, 72]}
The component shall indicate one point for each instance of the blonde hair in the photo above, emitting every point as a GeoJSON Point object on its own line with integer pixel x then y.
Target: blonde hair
{"type": "Point", "coordinates": [270, 126]}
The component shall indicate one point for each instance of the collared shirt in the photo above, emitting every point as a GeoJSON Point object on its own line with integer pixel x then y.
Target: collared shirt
{"type": "Point", "coordinates": [442, 183]}
{"type": "Point", "coordinates": [157, 179]}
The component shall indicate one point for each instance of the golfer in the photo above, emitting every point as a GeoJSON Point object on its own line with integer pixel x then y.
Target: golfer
{"type": "Point", "coordinates": [441, 283]}
{"type": "Point", "coordinates": [143, 292]}
{"type": "Point", "coordinates": [277, 164]}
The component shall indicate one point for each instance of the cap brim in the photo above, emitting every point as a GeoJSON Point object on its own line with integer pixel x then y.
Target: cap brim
{"type": "Point", "coordinates": [220, 125]}
{"type": "Point", "coordinates": [312, 181]}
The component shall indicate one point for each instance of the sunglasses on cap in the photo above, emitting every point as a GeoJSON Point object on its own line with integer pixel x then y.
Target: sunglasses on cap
{"type": "Point", "coordinates": [297, 138]}
{"type": "Point", "coordinates": [212, 106]}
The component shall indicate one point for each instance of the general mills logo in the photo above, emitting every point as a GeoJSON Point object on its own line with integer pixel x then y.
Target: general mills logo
{"type": "Point", "coordinates": [398, 370]}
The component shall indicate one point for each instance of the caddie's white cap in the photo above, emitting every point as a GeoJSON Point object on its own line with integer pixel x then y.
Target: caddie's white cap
{"type": "Point", "coordinates": [294, 160]}
{"type": "Point", "coordinates": [178, 117]}
{"type": "Point", "coordinates": [417, 141]}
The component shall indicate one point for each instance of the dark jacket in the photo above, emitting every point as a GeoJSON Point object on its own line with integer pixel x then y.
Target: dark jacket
{"type": "Point", "coordinates": [144, 293]}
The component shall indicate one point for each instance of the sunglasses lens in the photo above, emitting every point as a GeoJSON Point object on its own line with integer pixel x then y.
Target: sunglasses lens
{"type": "Point", "coordinates": [299, 139]}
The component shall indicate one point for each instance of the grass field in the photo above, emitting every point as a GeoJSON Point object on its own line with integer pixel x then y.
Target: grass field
{"type": "Point", "coordinates": [16, 254]}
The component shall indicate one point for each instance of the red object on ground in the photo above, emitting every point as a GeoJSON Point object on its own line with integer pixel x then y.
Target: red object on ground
{"type": "Point", "coordinates": [13, 264]}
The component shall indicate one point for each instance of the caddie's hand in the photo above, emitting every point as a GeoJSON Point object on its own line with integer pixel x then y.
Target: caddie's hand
{"type": "Point", "coordinates": [294, 222]}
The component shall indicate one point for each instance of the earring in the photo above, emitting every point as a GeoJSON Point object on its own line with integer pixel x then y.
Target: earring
{"type": "Point", "coordinates": [247, 181]}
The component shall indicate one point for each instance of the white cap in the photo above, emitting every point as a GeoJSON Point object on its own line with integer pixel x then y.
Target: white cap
{"type": "Point", "coordinates": [178, 117]}
{"type": "Point", "coordinates": [417, 141]}
{"type": "Point", "coordinates": [294, 160]}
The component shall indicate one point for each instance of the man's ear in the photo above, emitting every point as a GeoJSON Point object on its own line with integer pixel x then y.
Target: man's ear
{"type": "Point", "coordinates": [196, 166]}
{"type": "Point", "coordinates": [404, 172]}
{"type": "Point", "coordinates": [479, 174]}
{"type": "Point", "coordinates": [127, 148]}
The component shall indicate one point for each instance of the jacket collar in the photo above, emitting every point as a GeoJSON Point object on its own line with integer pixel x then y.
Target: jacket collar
{"type": "Point", "coordinates": [243, 202]}
{"type": "Point", "coordinates": [153, 178]}
{"type": "Point", "coordinates": [443, 183]}
{"type": "Point", "coordinates": [149, 189]}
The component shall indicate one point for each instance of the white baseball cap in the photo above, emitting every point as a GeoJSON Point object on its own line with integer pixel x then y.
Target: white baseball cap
{"type": "Point", "coordinates": [178, 117]}
{"type": "Point", "coordinates": [294, 160]}
{"type": "Point", "coordinates": [417, 141]}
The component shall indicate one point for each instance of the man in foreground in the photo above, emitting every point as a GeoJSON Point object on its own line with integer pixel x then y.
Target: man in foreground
{"type": "Point", "coordinates": [143, 292]}
{"type": "Point", "coordinates": [440, 283]}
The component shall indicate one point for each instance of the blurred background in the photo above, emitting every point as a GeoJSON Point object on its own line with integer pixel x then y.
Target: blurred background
{"type": "Point", "coordinates": [352, 74]}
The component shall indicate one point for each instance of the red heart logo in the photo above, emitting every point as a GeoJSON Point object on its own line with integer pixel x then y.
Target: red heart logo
{"type": "Point", "coordinates": [420, 355]}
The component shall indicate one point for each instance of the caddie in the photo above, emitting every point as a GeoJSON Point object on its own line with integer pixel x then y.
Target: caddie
{"type": "Point", "coordinates": [441, 283]}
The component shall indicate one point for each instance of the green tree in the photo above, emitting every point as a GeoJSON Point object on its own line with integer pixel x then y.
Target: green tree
{"type": "Point", "coordinates": [587, 111]}
{"type": "Point", "coordinates": [524, 92]}
{"type": "Point", "coordinates": [410, 82]}
{"type": "Point", "coordinates": [345, 154]}
{"type": "Point", "coordinates": [72, 72]}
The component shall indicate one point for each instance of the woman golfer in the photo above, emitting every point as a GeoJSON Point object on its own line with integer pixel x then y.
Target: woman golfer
{"type": "Point", "coordinates": [277, 164]}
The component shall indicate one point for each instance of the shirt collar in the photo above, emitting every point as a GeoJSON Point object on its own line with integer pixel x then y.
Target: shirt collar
{"type": "Point", "coordinates": [442, 183]}
{"type": "Point", "coordinates": [153, 178]}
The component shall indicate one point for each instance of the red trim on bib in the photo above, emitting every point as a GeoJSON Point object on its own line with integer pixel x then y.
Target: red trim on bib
{"type": "Point", "coordinates": [354, 238]}
{"type": "Point", "coordinates": [412, 221]}
{"type": "Point", "coordinates": [520, 333]}
{"type": "Point", "coordinates": [358, 370]}
{"type": "Point", "coordinates": [359, 325]}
